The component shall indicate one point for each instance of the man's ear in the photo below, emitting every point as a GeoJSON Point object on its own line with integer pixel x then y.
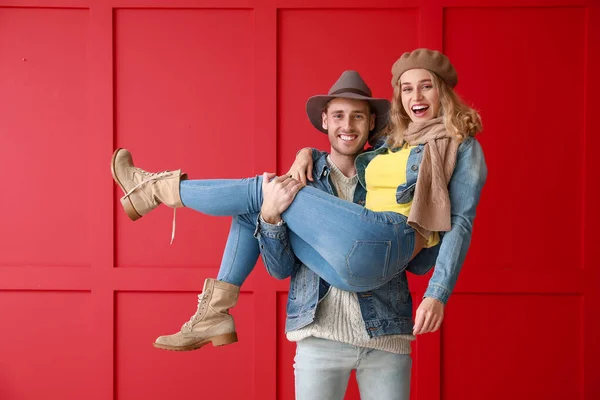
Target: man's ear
{"type": "Point", "coordinates": [372, 122]}
{"type": "Point", "coordinates": [324, 120]}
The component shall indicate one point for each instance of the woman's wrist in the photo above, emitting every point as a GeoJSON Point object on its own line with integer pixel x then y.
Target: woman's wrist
{"type": "Point", "coordinates": [304, 148]}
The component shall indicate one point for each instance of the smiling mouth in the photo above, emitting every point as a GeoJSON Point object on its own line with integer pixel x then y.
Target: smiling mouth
{"type": "Point", "coordinates": [419, 110]}
{"type": "Point", "coordinates": [347, 138]}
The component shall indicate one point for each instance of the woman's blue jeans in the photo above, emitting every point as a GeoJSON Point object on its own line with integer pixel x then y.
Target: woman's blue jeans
{"type": "Point", "coordinates": [349, 246]}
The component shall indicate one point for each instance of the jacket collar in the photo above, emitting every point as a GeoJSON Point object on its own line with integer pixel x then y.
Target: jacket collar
{"type": "Point", "coordinates": [320, 165]}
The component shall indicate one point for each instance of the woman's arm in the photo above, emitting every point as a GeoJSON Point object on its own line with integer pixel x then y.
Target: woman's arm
{"type": "Point", "coordinates": [465, 189]}
{"type": "Point", "coordinates": [302, 168]}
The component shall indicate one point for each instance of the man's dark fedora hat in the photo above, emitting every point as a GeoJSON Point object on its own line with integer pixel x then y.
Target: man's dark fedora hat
{"type": "Point", "coordinates": [350, 85]}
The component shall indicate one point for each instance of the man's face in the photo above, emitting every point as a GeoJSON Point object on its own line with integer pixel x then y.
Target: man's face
{"type": "Point", "coordinates": [348, 122]}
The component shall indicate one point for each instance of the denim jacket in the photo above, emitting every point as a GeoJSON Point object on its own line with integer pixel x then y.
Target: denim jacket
{"type": "Point", "coordinates": [464, 189]}
{"type": "Point", "coordinates": [386, 310]}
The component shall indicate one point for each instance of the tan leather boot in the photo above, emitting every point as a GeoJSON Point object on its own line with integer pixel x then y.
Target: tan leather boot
{"type": "Point", "coordinates": [144, 191]}
{"type": "Point", "coordinates": [210, 323]}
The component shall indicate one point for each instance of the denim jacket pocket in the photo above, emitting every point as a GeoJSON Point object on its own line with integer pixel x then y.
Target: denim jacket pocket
{"type": "Point", "coordinates": [405, 193]}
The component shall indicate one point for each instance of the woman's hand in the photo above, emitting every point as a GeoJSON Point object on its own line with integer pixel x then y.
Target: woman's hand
{"type": "Point", "coordinates": [429, 317]}
{"type": "Point", "coordinates": [303, 166]}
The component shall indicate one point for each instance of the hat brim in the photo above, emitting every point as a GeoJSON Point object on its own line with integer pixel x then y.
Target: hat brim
{"type": "Point", "coordinates": [316, 104]}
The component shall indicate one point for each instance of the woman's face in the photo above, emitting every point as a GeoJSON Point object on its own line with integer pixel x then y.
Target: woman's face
{"type": "Point", "coordinates": [420, 99]}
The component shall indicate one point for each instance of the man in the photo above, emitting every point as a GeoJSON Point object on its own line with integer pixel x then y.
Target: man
{"type": "Point", "coordinates": [338, 331]}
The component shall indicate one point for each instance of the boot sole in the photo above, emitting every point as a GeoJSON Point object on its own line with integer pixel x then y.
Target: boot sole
{"type": "Point", "coordinates": [125, 201]}
{"type": "Point", "coordinates": [221, 340]}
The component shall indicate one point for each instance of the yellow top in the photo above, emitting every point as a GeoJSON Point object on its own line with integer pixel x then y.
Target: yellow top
{"type": "Point", "coordinates": [383, 175]}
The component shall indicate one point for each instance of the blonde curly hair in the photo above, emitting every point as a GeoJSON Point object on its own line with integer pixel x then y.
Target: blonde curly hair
{"type": "Point", "coordinates": [460, 120]}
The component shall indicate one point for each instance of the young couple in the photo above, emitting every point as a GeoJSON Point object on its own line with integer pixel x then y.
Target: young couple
{"type": "Point", "coordinates": [349, 306]}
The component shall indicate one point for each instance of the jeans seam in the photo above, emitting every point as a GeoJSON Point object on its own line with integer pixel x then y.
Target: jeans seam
{"type": "Point", "coordinates": [236, 241]}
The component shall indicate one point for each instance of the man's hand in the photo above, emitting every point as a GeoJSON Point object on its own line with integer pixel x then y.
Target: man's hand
{"type": "Point", "coordinates": [430, 315]}
{"type": "Point", "coordinates": [278, 194]}
{"type": "Point", "coordinates": [302, 167]}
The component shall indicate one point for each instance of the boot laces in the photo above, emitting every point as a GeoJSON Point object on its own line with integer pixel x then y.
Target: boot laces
{"type": "Point", "coordinates": [144, 172]}
{"type": "Point", "coordinates": [201, 307]}
{"type": "Point", "coordinates": [150, 177]}
{"type": "Point", "coordinates": [173, 229]}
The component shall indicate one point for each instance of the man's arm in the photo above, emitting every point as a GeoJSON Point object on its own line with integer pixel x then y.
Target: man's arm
{"type": "Point", "coordinates": [271, 232]}
{"type": "Point", "coordinates": [275, 250]}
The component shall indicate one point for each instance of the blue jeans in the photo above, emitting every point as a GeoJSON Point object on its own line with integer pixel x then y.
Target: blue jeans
{"type": "Point", "coordinates": [241, 250]}
{"type": "Point", "coordinates": [349, 246]}
{"type": "Point", "coordinates": [322, 368]}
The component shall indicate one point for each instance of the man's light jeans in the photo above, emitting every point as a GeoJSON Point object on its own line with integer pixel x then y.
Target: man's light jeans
{"type": "Point", "coordinates": [322, 369]}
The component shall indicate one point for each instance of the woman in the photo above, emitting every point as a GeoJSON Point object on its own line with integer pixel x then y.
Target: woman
{"type": "Point", "coordinates": [425, 180]}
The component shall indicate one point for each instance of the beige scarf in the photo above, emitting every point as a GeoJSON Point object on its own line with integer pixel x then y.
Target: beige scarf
{"type": "Point", "coordinates": [430, 210]}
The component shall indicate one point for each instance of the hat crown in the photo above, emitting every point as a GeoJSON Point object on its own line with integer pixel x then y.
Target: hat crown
{"type": "Point", "coordinates": [350, 82]}
{"type": "Point", "coordinates": [350, 85]}
{"type": "Point", "coordinates": [431, 60]}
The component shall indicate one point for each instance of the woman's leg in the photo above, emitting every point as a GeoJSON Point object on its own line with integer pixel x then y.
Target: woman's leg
{"type": "Point", "coordinates": [363, 247]}
{"type": "Point", "coordinates": [223, 197]}
{"type": "Point", "coordinates": [212, 322]}
{"type": "Point", "coordinates": [354, 248]}
{"type": "Point", "coordinates": [241, 250]}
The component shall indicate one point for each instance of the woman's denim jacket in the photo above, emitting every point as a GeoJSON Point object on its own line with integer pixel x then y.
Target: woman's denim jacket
{"type": "Point", "coordinates": [385, 311]}
{"type": "Point", "coordinates": [464, 189]}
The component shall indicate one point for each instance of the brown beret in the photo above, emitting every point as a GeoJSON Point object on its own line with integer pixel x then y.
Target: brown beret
{"type": "Point", "coordinates": [431, 60]}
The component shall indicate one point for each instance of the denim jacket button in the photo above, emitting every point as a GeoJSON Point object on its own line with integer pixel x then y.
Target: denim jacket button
{"type": "Point", "coordinates": [414, 167]}
{"type": "Point", "coordinates": [418, 150]}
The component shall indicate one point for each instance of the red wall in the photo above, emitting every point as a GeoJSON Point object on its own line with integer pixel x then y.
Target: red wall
{"type": "Point", "coordinates": [218, 87]}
